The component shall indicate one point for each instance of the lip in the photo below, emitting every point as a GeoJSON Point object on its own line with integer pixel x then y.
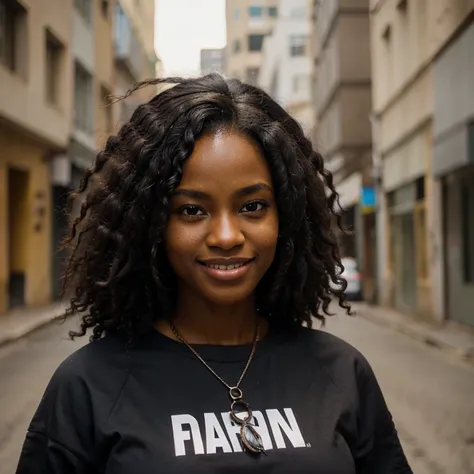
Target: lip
{"type": "Point", "coordinates": [226, 275]}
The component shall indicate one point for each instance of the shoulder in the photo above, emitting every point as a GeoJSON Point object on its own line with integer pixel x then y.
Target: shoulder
{"type": "Point", "coordinates": [103, 358]}
{"type": "Point", "coordinates": [91, 377]}
{"type": "Point", "coordinates": [345, 365]}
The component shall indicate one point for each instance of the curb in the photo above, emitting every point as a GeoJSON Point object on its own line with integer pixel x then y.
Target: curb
{"type": "Point", "coordinates": [419, 334]}
{"type": "Point", "coordinates": [15, 334]}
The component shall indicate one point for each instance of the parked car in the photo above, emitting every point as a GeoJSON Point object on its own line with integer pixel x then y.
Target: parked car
{"type": "Point", "coordinates": [353, 277]}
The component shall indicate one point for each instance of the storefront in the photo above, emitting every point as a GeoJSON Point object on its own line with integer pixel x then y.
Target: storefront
{"type": "Point", "coordinates": [407, 284]}
{"type": "Point", "coordinates": [453, 167]}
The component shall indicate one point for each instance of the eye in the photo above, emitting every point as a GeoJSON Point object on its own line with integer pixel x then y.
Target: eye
{"type": "Point", "coordinates": [191, 211]}
{"type": "Point", "coordinates": [254, 206]}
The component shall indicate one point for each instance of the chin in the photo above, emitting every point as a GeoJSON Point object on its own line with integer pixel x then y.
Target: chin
{"type": "Point", "coordinates": [228, 297]}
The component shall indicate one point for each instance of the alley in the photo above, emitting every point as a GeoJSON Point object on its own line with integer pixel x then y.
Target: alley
{"type": "Point", "coordinates": [431, 397]}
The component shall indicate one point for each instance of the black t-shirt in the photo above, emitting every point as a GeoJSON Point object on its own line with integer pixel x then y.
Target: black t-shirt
{"type": "Point", "coordinates": [156, 409]}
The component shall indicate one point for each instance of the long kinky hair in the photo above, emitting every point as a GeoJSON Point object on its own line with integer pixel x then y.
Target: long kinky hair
{"type": "Point", "coordinates": [118, 273]}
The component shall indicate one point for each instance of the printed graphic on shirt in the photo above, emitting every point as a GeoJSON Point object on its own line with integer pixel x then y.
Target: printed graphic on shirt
{"type": "Point", "coordinates": [218, 433]}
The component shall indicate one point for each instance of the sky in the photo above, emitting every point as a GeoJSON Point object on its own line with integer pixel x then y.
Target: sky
{"type": "Point", "coordinates": [183, 28]}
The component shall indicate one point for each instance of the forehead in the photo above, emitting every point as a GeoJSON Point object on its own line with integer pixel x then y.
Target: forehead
{"type": "Point", "coordinates": [225, 160]}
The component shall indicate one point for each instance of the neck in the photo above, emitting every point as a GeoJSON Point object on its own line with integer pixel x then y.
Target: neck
{"type": "Point", "coordinates": [201, 322]}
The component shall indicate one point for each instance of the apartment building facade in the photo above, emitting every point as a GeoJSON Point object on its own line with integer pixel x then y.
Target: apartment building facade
{"type": "Point", "coordinates": [35, 125]}
{"type": "Point", "coordinates": [423, 113]}
{"type": "Point", "coordinates": [342, 97]}
{"type": "Point", "coordinates": [248, 22]}
{"type": "Point", "coordinates": [285, 72]}
{"type": "Point", "coordinates": [212, 60]}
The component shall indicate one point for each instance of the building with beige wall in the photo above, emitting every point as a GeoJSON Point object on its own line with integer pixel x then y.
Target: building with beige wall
{"type": "Point", "coordinates": [342, 96]}
{"type": "Point", "coordinates": [422, 101]}
{"type": "Point", "coordinates": [104, 77]}
{"type": "Point", "coordinates": [35, 124]}
{"type": "Point", "coordinates": [248, 22]}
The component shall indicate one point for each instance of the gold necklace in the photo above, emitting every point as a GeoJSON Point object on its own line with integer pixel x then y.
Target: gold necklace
{"type": "Point", "coordinates": [249, 437]}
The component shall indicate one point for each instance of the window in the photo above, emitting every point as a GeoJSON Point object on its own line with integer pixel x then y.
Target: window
{"type": "Point", "coordinates": [12, 35]}
{"type": "Point", "coordinates": [255, 42]}
{"type": "Point", "coordinates": [106, 107]}
{"type": "Point", "coordinates": [402, 6]}
{"type": "Point", "coordinates": [84, 8]}
{"type": "Point", "coordinates": [467, 203]}
{"type": "Point", "coordinates": [298, 45]}
{"type": "Point", "coordinates": [54, 53]}
{"type": "Point", "coordinates": [251, 75]}
{"type": "Point", "coordinates": [104, 6]}
{"type": "Point", "coordinates": [255, 12]}
{"type": "Point", "coordinates": [300, 82]}
{"type": "Point", "coordinates": [273, 12]}
{"type": "Point", "coordinates": [236, 46]}
{"type": "Point", "coordinates": [388, 46]}
{"type": "Point", "coordinates": [82, 99]}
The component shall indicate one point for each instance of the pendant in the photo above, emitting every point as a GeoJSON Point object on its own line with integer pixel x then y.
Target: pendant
{"type": "Point", "coordinates": [249, 437]}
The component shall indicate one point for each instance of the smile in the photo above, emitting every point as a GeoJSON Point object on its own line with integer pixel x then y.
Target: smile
{"type": "Point", "coordinates": [224, 271]}
{"type": "Point", "coordinates": [226, 267]}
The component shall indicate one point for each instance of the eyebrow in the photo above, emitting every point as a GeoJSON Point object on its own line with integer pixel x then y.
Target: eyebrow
{"type": "Point", "coordinates": [247, 191]}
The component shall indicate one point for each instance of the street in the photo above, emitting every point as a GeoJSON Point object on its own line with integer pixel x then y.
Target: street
{"type": "Point", "coordinates": [431, 397]}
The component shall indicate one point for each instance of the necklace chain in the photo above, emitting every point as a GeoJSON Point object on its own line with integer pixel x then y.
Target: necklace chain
{"type": "Point", "coordinates": [247, 365]}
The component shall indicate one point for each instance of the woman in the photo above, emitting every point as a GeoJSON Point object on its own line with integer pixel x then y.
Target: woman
{"type": "Point", "coordinates": [203, 251]}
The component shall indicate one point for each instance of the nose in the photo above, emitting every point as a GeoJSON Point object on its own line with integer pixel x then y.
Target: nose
{"type": "Point", "coordinates": [225, 233]}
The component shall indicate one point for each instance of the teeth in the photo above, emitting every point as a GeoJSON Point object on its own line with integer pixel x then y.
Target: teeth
{"type": "Point", "coordinates": [227, 267]}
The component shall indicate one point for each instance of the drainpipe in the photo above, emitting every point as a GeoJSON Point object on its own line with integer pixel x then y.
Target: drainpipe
{"type": "Point", "coordinates": [380, 208]}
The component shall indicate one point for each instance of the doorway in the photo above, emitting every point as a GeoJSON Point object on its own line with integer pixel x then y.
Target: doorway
{"type": "Point", "coordinates": [18, 181]}
{"type": "Point", "coordinates": [405, 262]}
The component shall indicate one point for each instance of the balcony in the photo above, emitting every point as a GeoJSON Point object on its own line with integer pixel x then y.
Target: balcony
{"type": "Point", "coordinates": [128, 53]}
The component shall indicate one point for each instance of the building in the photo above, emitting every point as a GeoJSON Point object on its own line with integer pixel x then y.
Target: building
{"type": "Point", "coordinates": [423, 112]}
{"type": "Point", "coordinates": [35, 125]}
{"type": "Point", "coordinates": [286, 67]}
{"type": "Point", "coordinates": [212, 60]}
{"type": "Point", "coordinates": [342, 96]}
{"type": "Point", "coordinates": [104, 71]}
{"type": "Point", "coordinates": [248, 22]}
{"type": "Point", "coordinates": [134, 50]}
{"type": "Point", "coordinates": [67, 169]}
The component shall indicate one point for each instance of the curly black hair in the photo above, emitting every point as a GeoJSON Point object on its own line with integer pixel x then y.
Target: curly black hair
{"type": "Point", "coordinates": [118, 271]}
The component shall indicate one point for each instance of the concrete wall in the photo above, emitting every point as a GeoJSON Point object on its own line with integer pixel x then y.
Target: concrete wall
{"type": "Point", "coordinates": [103, 70]}
{"type": "Point", "coordinates": [417, 36]}
{"type": "Point", "coordinates": [142, 14]}
{"type": "Point", "coordinates": [83, 41]}
{"type": "Point", "coordinates": [23, 98]}
{"type": "Point", "coordinates": [342, 92]}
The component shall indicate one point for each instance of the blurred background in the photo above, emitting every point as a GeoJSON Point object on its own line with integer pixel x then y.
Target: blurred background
{"type": "Point", "coordinates": [383, 88]}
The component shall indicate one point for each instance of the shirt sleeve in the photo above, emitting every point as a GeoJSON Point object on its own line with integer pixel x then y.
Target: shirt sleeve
{"type": "Point", "coordinates": [41, 454]}
{"type": "Point", "coordinates": [60, 438]}
{"type": "Point", "coordinates": [378, 447]}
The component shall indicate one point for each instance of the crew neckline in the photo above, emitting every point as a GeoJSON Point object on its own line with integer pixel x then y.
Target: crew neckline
{"type": "Point", "coordinates": [215, 352]}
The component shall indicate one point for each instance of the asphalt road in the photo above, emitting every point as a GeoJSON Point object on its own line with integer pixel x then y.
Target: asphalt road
{"type": "Point", "coordinates": [430, 396]}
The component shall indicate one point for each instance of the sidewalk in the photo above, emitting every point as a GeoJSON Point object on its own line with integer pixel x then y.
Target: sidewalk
{"type": "Point", "coordinates": [448, 337]}
{"type": "Point", "coordinates": [18, 323]}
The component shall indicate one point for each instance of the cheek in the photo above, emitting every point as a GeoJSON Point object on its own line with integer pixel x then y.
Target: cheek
{"type": "Point", "coordinates": [180, 240]}
{"type": "Point", "coordinates": [268, 236]}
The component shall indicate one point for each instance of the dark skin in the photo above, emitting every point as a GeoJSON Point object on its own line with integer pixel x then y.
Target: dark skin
{"type": "Point", "coordinates": [221, 239]}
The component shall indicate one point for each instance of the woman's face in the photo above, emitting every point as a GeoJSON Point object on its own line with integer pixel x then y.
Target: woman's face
{"type": "Point", "coordinates": [223, 230]}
